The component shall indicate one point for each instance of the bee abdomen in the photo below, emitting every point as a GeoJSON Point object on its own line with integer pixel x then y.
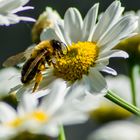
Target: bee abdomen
{"type": "Point", "coordinates": [31, 75]}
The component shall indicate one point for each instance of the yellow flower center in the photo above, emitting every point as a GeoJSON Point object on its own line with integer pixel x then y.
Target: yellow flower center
{"type": "Point", "coordinates": [39, 116]}
{"type": "Point", "coordinates": [79, 58]}
{"type": "Point", "coordinates": [14, 123]}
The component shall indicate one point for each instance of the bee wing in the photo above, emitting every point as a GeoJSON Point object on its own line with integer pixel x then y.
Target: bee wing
{"type": "Point", "coordinates": [28, 51]}
{"type": "Point", "coordinates": [14, 60]}
{"type": "Point", "coordinates": [18, 58]}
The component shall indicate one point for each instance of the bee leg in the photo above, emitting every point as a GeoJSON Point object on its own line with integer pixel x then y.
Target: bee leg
{"type": "Point", "coordinates": [38, 79]}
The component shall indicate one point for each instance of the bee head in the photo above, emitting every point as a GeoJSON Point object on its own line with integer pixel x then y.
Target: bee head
{"type": "Point", "coordinates": [58, 46]}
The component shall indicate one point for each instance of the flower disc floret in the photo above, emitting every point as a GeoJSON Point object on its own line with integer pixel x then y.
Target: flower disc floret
{"type": "Point", "coordinates": [79, 58]}
{"type": "Point", "coordinates": [39, 116]}
{"type": "Point", "coordinates": [15, 123]}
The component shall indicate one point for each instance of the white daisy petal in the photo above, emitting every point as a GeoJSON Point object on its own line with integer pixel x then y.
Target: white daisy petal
{"type": "Point", "coordinates": [6, 133]}
{"type": "Point", "coordinates": [124, 27]}
{"type": "Point", "coordinates": [4, 21]}
{"type": "Point", "coordinates": [73, 24]}
{"type": "Point", "coordinates": [90, 102]}
{"type": "Point", "coordinates": [112, 53]}
{"type": "Point", "coordinates": [24, 104]}
{"type": "Point", "coordinates": [41, 93]}
{"type": "Point", "coordinates": [53, 33]}
{"type": "Point", "coordinates": [8, 10]}
{"type": "Point", "coordinates": [48, 34]}
{"type": "Point", "coordinates": [101, 64]}
{"type": "Point", "coordinates": [12, 18]}
{"type": "Point", "coordinates": [113, 43]}
{"type": "Point", "coordinates": [115, 84]}
{"type": "Point", "coordinates": [89, 22]}
{"type": "Point", "coordinates": [56, 97]}
{"type": "Point", "coordinates": [22, 9]}
{"type": "Point", "coordinates": [26, 19]}
{"type": "Point", "coordinates": [51, 130]}
{"type": "Point", "coordinates": [130, 35]}
{"type": "Point", "coordinates": [8, 79]}
{"type": "Point", "coordinates": [95, 82]}
{"type": "Point", "coordinates": [108, 19]}
{"type": "Point", "coordinates": [7, 112]}
{"type": "Point", "coordinates": [59, 28]}
{"type": "Point", "coordinates": [9, 5]}
{"type": "Point", "coordinates": [125, 131]}
{"type": "Point", "coordinates": [109, 70]}
{"type": "Point", "coordinates": [76, 91]}
{"type": "Point", "coordinates": [20, 91]}
{"type": "Point", "coordinates": [68, 119]}
{"type": "Point", "coordinates": [109, 45]}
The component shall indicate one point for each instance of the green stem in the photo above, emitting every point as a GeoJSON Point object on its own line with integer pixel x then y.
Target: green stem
{"type": "Point", "coordinates": [133, 90]}
{"type": "Point", "coordinates": [119, 101]}
{"type": "Point", "coordinates": [61, 134]}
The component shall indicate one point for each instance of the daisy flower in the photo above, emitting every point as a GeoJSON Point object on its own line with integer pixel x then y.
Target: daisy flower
{"type": "Point", "coordinates": [108, 132]}
{"type": "Point", "coordinates": [13, 122]}
{"type": "Point", "coordinates": [8, 10]}
{"type": "Point", "coordinates": [90, 43]}
{"type": "Point", "coordinates": [45, 117]}
{"type": "Point", "coordinates": [89, 47]}
{"type": "Point", "coordinates": [45, 20]}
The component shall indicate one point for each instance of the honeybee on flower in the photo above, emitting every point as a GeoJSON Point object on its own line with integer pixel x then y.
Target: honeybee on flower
{"type": "Point", "coordinates": [89, 45]}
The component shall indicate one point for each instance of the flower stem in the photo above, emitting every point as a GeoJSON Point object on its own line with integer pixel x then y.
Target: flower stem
{"type": "Point", "coordinates": [133, 90]}
{"type": "Point", "coordinates": [61, 134]}
{"type": "Point", "coordinates": [119, 101]}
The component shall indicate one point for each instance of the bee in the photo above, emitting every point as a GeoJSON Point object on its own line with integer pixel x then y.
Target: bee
{"type": "Point", "coordinates": [38, 56]}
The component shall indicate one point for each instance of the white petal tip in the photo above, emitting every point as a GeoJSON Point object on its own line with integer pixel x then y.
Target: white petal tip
{"type": "Point", "coordinates": [110, 71]}
{"type": "Point", "coordinates": [126, 55]}
{"type": "Point", "coordinates": [27, 19]}
{"type": "Point", "coordinates": [115, 73]}
{"type": "Point", "coordinates": [27, 8]}
{"type": "Point", "coordinates": [96, 4]}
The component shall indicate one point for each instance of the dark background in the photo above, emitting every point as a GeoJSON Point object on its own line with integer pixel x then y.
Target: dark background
{"type": "Point", "coordinates": [16, 38]}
